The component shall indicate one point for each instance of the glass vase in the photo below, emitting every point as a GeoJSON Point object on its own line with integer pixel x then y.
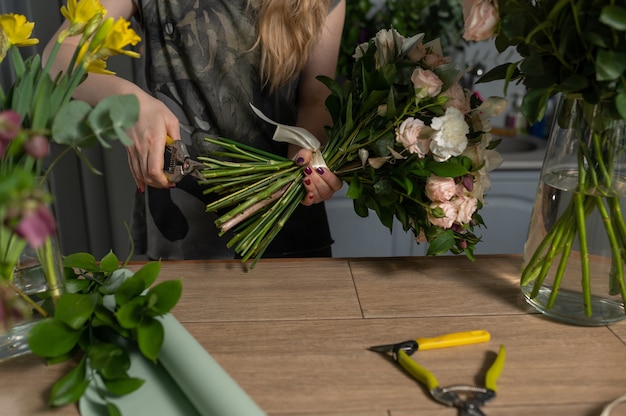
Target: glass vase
{"type": "Point", "coordinates": [573, 267]}
{"type": "Point", "coordinates": [36, 283]}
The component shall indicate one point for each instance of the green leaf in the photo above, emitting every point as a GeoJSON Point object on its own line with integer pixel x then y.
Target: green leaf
{"type": "Point", "coordinates": [149, 273]}
{"type": "Point", "coordinates": [51, 337]}
{"type": "Point", "coordinates": [150, 336]}
{"type": "Point", "coordinates": [69, 127]}
{"type": "Point", "coordinates": [129, 289]}
{"type": "Point", "coordinates": [112, 116]}
{"type": "Point", "coordinates": [110, 262]}
{"type": "Point", "coordinates": [114, 281]}
{"type": "Point", "coordinates": [355, 189]}
{"type": "Point", "coordinates": [165, 296]}
{"type": "Point", "coordinates": [110, 360]}
{"type": "Point", "coordinates": [448, 169]}
{"type": "Point", "coordinates": [614, 16]}
{"type": "Point", "coordinates": [75, 309]}
{"type": "Point", "coordinates": [610, 65]}
{"type": "Point", "coordinates": [441, 244]}
{"type": "Point", "coordinates": [83, 261]}
{"type": "Point", "coordinates": [123, 386]}
{"type": "Point", "coordinates": [130, 314]}
{"type": "Point", "coordinates": [113, 410]}
{"type": "Point", "coordinates": [70, 387]}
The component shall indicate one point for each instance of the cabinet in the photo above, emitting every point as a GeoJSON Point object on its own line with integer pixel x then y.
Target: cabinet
{"type": "Point", "coordinates": [507, 210]}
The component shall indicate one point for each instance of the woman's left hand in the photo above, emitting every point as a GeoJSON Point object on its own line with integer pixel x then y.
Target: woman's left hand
{"type": "Point", "coordinates": [320, 183]}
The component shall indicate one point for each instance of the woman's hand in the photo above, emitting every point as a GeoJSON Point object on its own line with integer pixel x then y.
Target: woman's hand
{"type": "Point", "coordinates": [146, 155]}
{"type": "Point", "coordinates": [320, 183]}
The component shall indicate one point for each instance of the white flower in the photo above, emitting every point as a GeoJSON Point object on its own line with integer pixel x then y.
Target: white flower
{"type": "Point", "coordinates": [450, 137]}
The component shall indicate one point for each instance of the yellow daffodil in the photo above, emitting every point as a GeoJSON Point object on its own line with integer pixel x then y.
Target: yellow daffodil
{"type": "Point", "coordinates": [120, 36]}
{"type": "Point", "coordinates": [80, 13]}
{"type": "Point", "coordinates": [15, 30]}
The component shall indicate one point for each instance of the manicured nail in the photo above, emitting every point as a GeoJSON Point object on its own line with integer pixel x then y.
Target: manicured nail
{"type": "Point", "coordinates": [300, 160]}
{"type": "Point", "coordinates": [308, 170]}
{"type": "Point", "coordinates": [311, 196]}
{"type": "Point", "coordinates": [320, 171]}
{"type": "Point", "coordinates": [307, 181]}
{"type": "Point", "coordinates": [140, 190]}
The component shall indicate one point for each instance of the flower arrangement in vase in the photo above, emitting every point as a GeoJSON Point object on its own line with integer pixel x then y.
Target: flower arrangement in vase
{"type": "Point", "coordinates": [574, 257]}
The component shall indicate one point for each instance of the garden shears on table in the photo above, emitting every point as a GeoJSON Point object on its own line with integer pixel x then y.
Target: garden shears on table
{"type": "Point", "coordinates": [467, 399]}
{"type": "Point", "coordinates": [178, 162]}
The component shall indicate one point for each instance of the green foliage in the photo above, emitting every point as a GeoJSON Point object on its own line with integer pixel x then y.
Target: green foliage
{"type": "Point", "coordinates": [107, 309]}
{"type": "Point", "coordinates": [576, 47]}
{"type": "Point", "coordinates": [441, 19]}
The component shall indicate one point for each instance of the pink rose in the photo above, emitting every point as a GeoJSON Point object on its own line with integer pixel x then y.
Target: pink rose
{"type": "Point", "coordinates": [442, 214]}
{"type": "Point", "coordinates": [440, 189]}
{"type": "Point", "coordinates": [481, 19]}
{"type": "Point", "coordinates": [466, 206]}
{"type": "Point", "coordinates": [426, 83]}
{"type": "Point", "coordinates": [408, 133]}
{"type": "Point", "coordinates": [458, 98]}
{"type": "Point", "coordinates": [433, 60]}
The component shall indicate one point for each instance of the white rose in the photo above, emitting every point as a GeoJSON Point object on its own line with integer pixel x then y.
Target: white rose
{"type": "Point", "coordinates": [450, 137]}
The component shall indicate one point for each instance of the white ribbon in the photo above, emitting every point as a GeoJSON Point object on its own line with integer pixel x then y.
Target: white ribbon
{"type": "Point", "coordinates": [297, 136]}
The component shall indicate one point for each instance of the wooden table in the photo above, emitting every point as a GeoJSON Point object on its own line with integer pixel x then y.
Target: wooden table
{"type": "Point", "coordinates": [294, 333]}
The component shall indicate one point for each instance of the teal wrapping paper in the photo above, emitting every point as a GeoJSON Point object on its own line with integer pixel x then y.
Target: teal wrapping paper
{"type": "Point", "coordinates": [187, 381]}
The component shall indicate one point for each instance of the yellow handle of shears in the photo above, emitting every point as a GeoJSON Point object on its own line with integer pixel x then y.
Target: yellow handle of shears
{"type": "Point", "coordinates": [496, 368]}
{"type": "Point", "coordinates": [453, 340]}
{"type": "Point", "coordinates": [420, 373]}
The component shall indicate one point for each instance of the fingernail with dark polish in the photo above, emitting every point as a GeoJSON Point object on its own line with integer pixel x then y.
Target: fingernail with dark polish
{"type": "Point", "coordinates": [307, 181]}
{"type": "Point", "coordinates": [308, 170]}
{"type": "Point", "coordinates": [300, 160]}
{"type": "Point", "coordinates": [320, 171]}
{"type": "Point", "coordinates": [311, 196]}
{"type": "Point", "coordinates": [140, 190]}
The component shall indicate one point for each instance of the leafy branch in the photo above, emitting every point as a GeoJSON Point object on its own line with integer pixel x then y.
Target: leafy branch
{"type": "Point", "coordinates": [106, 309]}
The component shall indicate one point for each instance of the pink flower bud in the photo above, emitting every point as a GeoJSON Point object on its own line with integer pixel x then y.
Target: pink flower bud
{"type": "Point", "coordinates": [10, 125]}
{"type": "Point", "coordinates": [37, 147]}
{"type": "Point", "coordinates": [36, 225]}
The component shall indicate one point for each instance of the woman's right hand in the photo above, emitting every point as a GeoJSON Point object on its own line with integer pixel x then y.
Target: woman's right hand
{"type": "Point", "coordinates": [146, 154]}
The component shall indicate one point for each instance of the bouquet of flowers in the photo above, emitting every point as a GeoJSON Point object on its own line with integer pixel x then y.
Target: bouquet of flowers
{"type": "Point", "coordinates": [412, 144]}
{"type": "Point", "coordinates": [576, 49]}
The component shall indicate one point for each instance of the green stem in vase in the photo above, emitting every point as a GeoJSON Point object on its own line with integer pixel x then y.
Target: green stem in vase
{"type": "Point", "coordinates": [560, 271]}
{"type": "Point", "coordinates": [584, 251]}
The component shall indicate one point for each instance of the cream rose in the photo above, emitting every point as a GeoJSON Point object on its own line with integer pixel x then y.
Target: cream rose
{"type": "Point", "coordinates": [408, 133]}
{"type": "Point", "coordinates": [481, 19]}
{"type": "Point", "coordinates": [440, 189]}
{"type": "Point", "coordinates": [457, 98]}
{"type": "Point", "coordinates": [450, 137]}
{"type": "Point", "coordinates": [442, 214]}
{"type": "Point", "coordinates": [426, 83]}
{"type": "Point", "coordinates": [466, 206]}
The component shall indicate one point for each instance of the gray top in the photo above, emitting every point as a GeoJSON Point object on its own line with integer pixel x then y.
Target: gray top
{"type": "Point", "coordinates": [199, 62]}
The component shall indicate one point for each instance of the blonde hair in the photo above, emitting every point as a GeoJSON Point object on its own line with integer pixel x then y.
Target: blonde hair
{"type": "Point", "coordinates": [287, 31]}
